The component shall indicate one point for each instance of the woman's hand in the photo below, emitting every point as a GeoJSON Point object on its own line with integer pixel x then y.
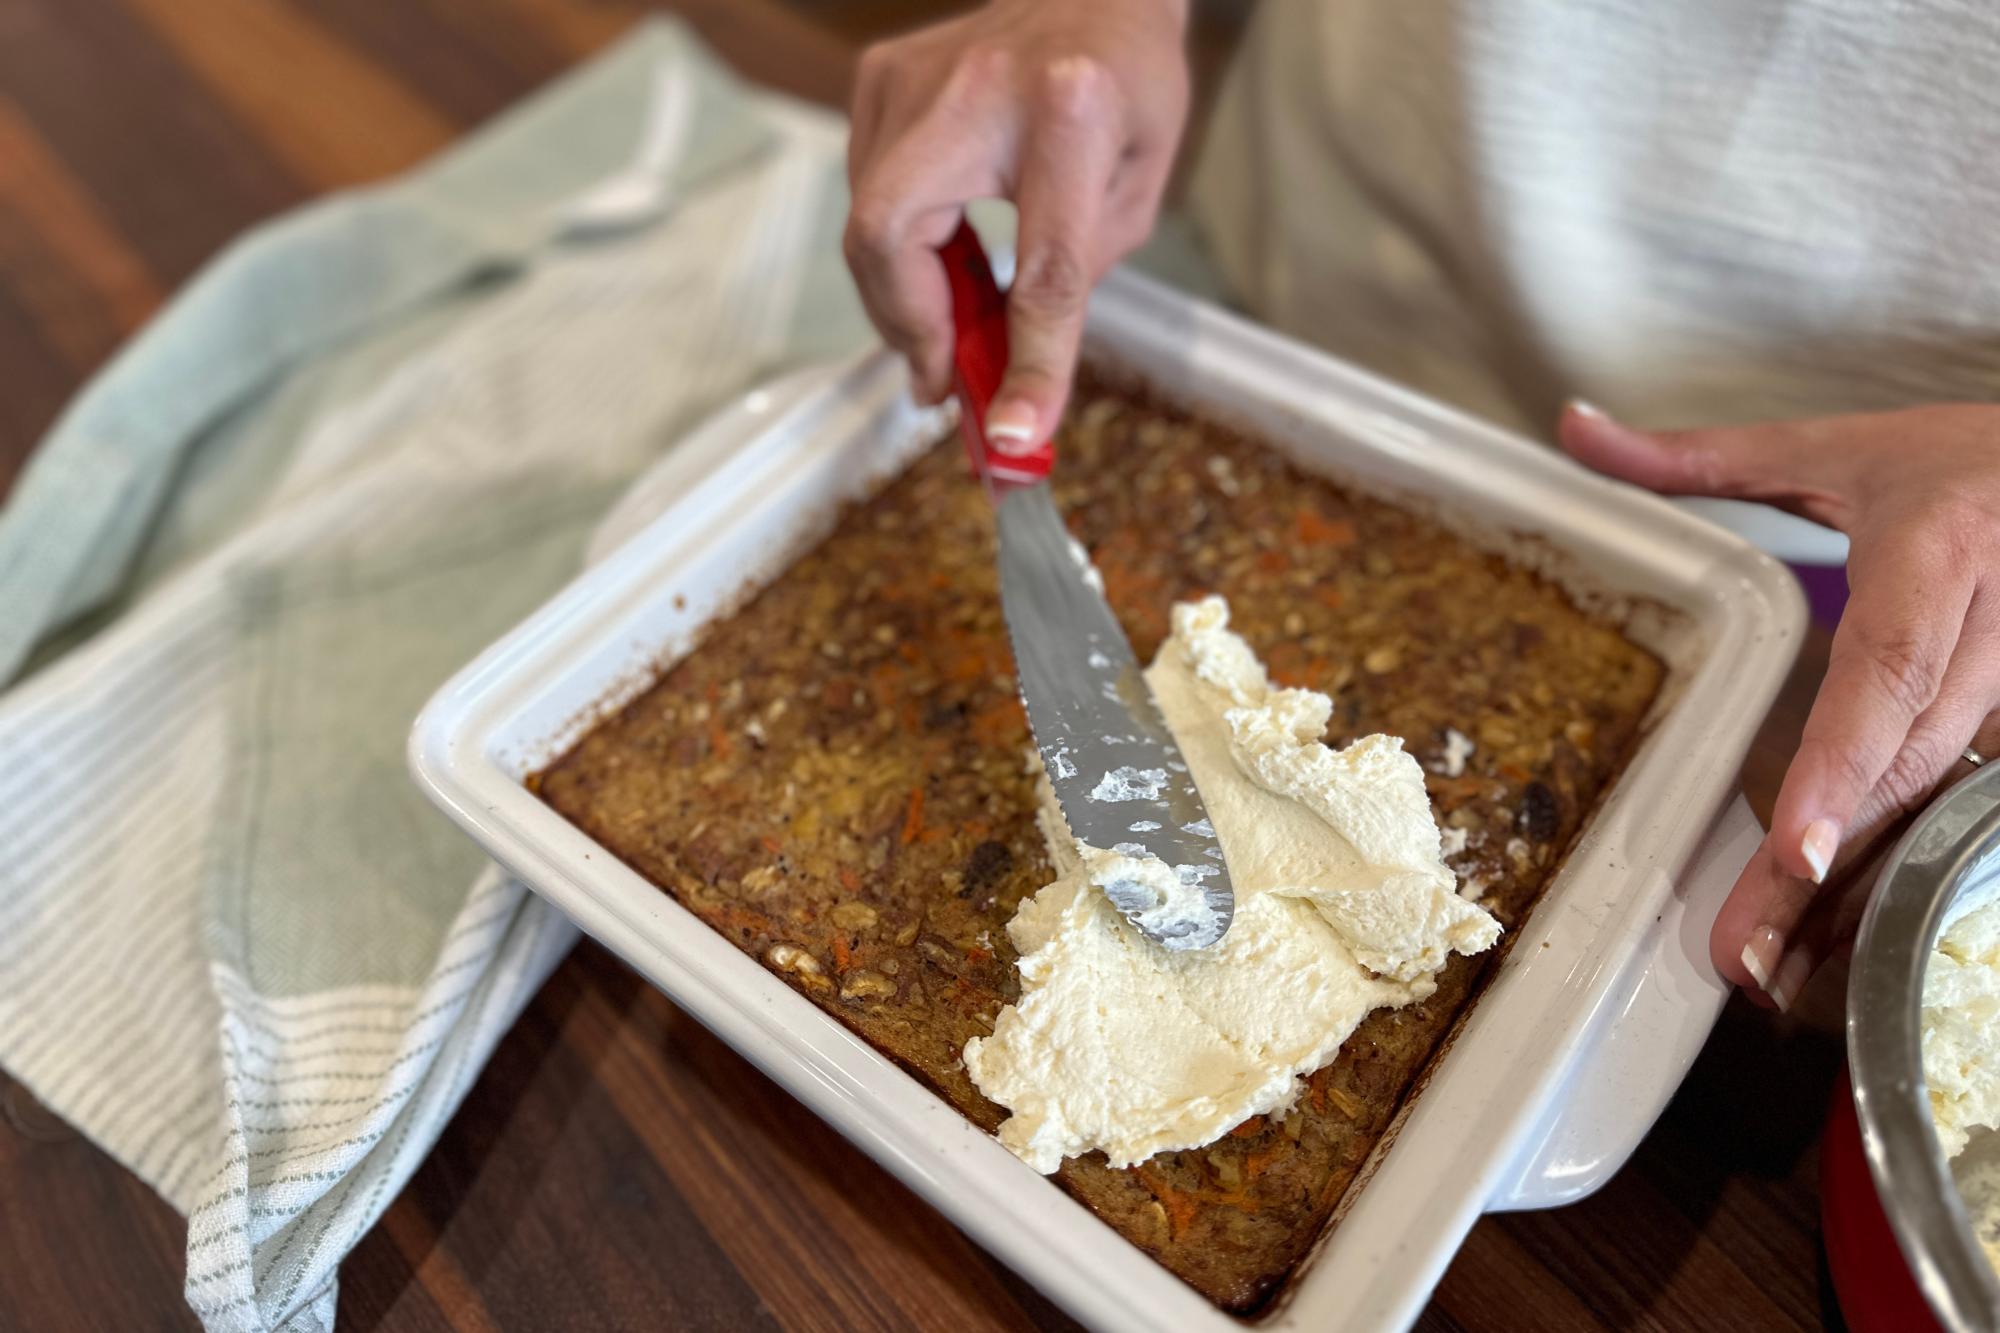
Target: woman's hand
{"type": "Point", "coordinates": [1915, 671]}
{"type": "Point", "coordinates": [1072, 109]}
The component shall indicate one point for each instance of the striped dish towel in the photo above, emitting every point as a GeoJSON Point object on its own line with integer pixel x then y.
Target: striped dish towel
{"type": "Point", "coordinates": [236, 947]}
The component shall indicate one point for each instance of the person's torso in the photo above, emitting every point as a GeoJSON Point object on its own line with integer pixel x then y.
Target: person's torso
{"type": "Point", "coordinates": [1690, 210]}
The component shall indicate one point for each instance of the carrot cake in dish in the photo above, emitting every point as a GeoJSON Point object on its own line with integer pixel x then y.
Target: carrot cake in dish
{"type": "Point", "coordinates": [837, 779]}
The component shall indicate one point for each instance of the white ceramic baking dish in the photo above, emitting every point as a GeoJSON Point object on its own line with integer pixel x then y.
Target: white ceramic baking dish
{"type": "Point", "coordinates": [1561, 1065]}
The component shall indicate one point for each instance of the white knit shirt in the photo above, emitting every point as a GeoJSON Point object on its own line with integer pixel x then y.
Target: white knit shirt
{"type": "Point", "coordinates": [1687, 210]}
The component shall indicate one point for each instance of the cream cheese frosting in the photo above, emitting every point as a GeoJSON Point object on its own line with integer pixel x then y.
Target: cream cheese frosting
{"type": "Point", "coordinates": [1961, 1026]}
{"type": "Point", "coordinates": [1344, 905]}
{"type": "Point", "coordinates": [1960, 1023]}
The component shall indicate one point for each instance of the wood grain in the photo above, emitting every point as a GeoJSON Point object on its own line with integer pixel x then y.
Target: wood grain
{"type": "Point", "coordinates": [470, 59]}
{"type": "Point", "coordinates": [281, 72]}
{"type": "Point", "coordinates": [616, 1166]}
{"type": "Point", "coordinates": [60, 256]}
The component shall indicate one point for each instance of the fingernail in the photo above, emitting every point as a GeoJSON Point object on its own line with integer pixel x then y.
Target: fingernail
{"type": "Point", "coordinates": [1820, 842]}
{"type": "Point", "coordinates": [1010, 427]}
{"type": "Point", "coordinates": [1791, 978]}
{"type": "Point", "coordinates": [1585, 408]}
{"type": "Point", "coordinates": [1762, 954]}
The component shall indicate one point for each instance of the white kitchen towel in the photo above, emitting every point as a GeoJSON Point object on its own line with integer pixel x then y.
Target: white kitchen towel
{"type": "Point", "coordinates": [237, 949]}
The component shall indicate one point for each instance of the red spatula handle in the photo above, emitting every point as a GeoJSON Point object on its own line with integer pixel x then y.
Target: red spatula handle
{"type": "Point", "coordinates": [979, 356]}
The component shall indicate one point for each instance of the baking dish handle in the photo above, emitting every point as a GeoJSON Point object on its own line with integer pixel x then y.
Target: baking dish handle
{"type": "Point", "coordinates": [1645, 1038]}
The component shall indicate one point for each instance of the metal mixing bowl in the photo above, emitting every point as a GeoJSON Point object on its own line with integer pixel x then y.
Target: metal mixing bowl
{"type": "Point", "coordinates": [1948, 854]}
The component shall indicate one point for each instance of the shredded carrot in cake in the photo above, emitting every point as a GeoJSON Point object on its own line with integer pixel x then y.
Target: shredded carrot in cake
{"type": "Point", "coordinates": [1317, 531]}
{"type": "Point", "coordinates": [1180, 1207]}
{"type": "Point", "coordinates": [742, 918]}
{"type": "Point", "coordinates": [718, 737]}
{"type": "Point", "coordinates": [1000, 721]}
{"type": "Point", "coordinates": [885, 766]}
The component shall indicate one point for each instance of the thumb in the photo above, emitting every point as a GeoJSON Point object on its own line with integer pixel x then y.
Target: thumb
{"type": "Point", "coordinates": [1776, 462]}
{"type": "Point", "coordinates": [1067, 163]}
{"type": "Point", "coordinates": [1045, 316]}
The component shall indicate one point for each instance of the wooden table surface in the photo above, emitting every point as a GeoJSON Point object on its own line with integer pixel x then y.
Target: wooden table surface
{"type": "Point", "coordinates": [616, 1166]}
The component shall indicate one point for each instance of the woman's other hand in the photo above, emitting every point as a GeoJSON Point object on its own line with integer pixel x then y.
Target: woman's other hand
{"type": "Point", "coordinates": [1072, 109]}
{"type": "Point", "coordinates": [1914, 676]}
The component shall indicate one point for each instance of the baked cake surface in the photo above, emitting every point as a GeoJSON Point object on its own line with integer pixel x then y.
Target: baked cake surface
{"type": "Point", "coordinates": [835, 778]}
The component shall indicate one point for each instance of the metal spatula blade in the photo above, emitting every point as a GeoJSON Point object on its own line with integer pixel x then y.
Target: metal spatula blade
{"type": "Point", "coordinates": [1116, 771]}
{"type": "Point", "coordinates": [1119, 777]}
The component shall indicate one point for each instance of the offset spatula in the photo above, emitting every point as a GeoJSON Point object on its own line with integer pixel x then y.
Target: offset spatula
{"type": "Point", "coordinates": [1120, 778]}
